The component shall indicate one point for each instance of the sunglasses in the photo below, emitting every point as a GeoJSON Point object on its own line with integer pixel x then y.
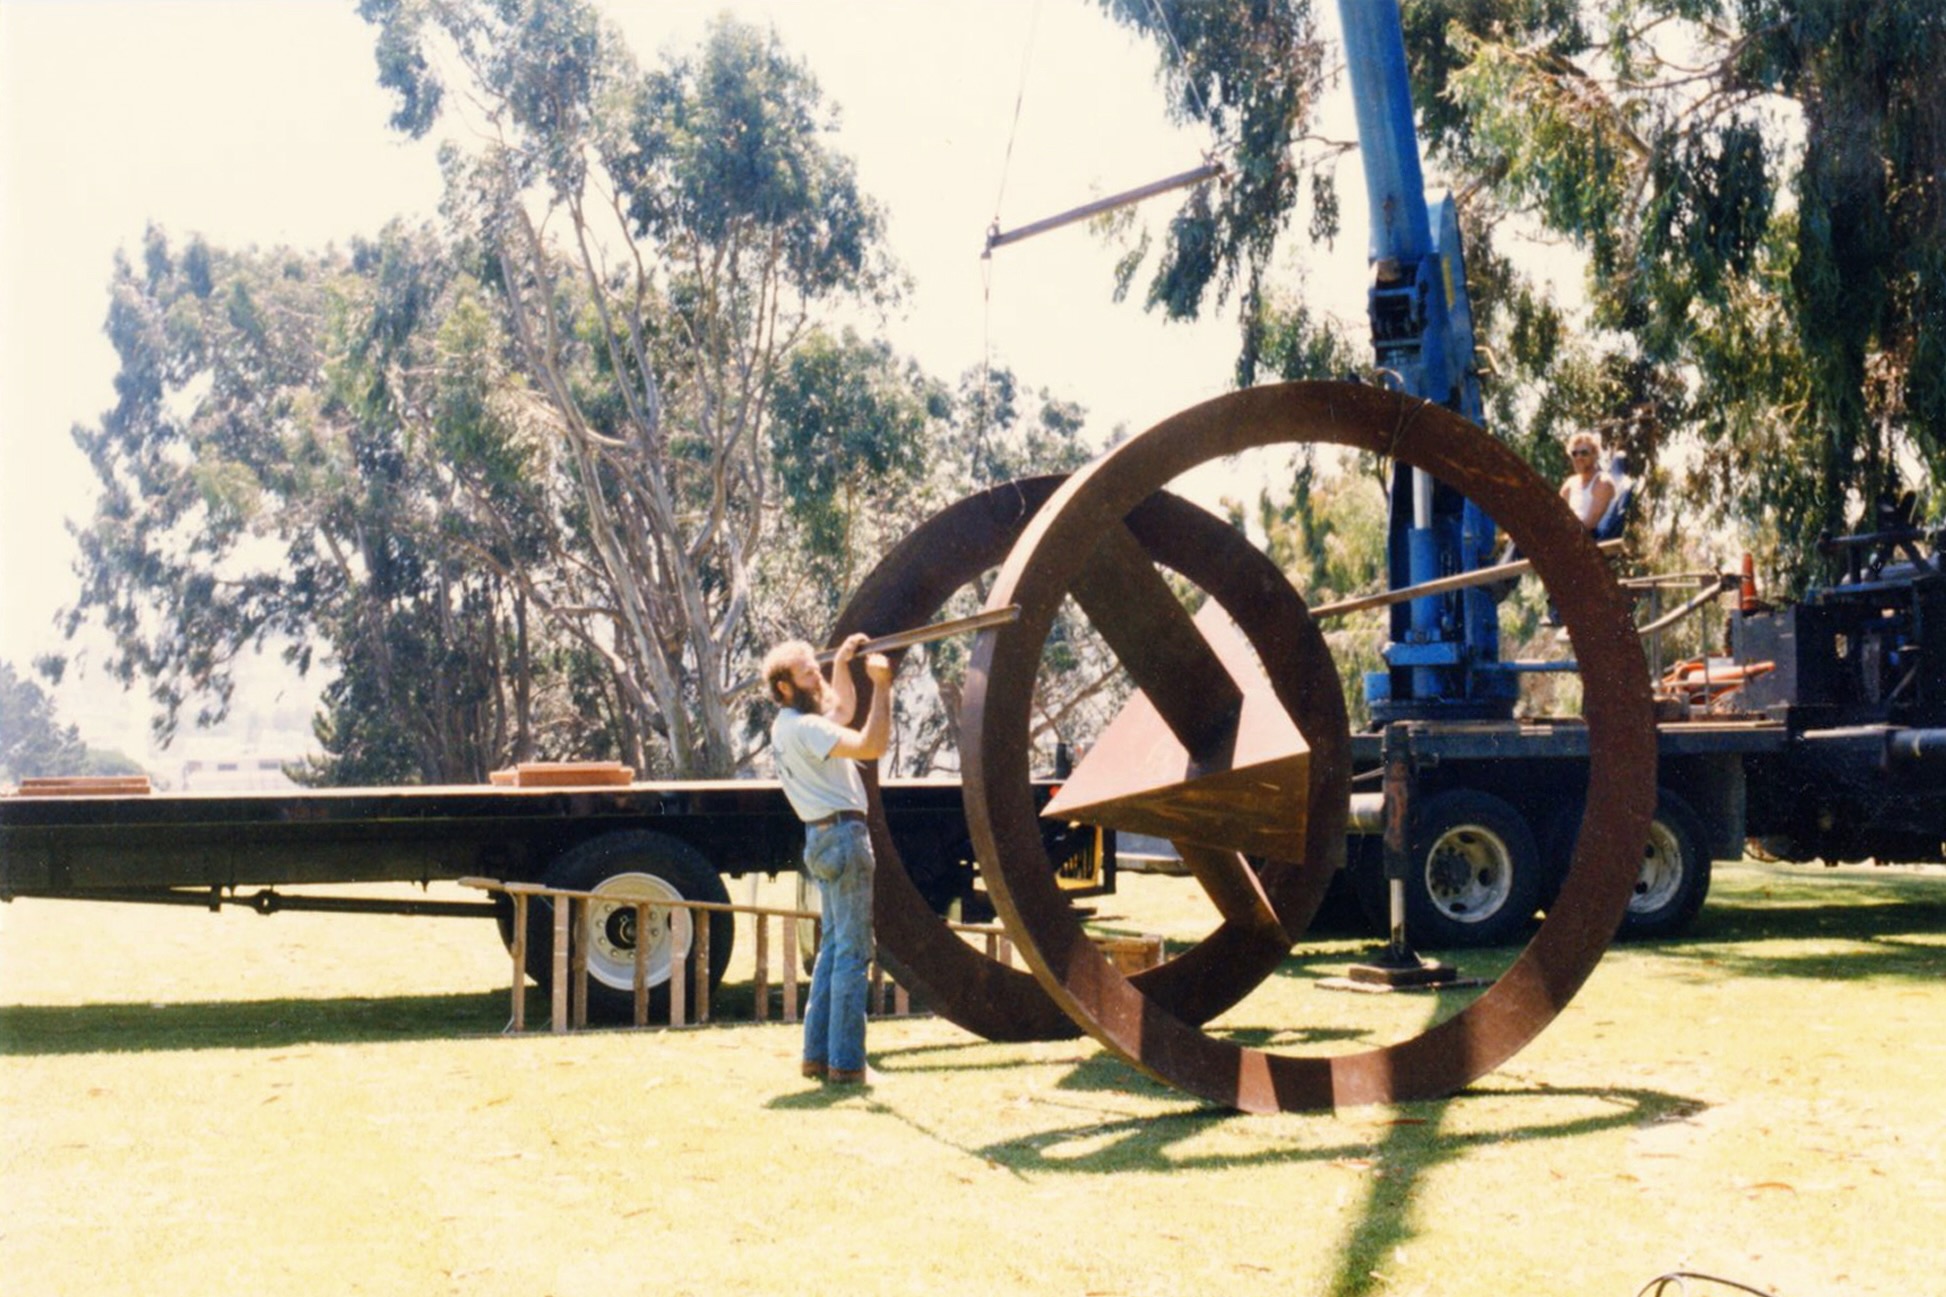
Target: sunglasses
{"type": "Point", "coordinates": [1579, 454]}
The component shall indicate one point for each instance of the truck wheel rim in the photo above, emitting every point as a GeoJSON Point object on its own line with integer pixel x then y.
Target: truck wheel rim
{"type": "Point", "coordinates": [1661, 876]}
{"type": "Point", "coordinates": [1621, 735]}
{"type": "Point", "coordinates": [611, 951]}
{"type": "Point", "coordinates": [1469, 873]}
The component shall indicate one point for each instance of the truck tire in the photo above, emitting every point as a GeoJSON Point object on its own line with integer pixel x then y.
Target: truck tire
{"type": "Point", "coordinates": [1364, 871]}
{"type": "Point", "coordinates": [1675, 873]}
{"type": "Point", "coordinates": [1475, 875]}
{"type": "Point", "coordinates": [632, 864]}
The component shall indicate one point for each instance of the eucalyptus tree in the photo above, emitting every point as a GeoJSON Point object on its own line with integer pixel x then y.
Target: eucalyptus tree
{"type": "Point", "coordinates": [1755, 187]}
{"type": "Point", "coordinates": [33, 742]}
{"type": "Point", "coordinates": [660, 243]}
{"type": "Point", "coordinates": [275, 470]}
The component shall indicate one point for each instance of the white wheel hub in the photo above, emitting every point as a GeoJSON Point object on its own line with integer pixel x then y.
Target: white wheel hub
{"type": "Point", "coordinates": [1661, 877]}
{"type": "Point", "coordinates": [1469, 873]}
{"type": "Point", "coordinates": [611, 953]}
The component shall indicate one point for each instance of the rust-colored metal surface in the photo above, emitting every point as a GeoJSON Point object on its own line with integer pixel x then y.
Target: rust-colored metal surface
{"type": "Point", "coordinates": [1053, 559]}
{"type": "Point", "coordinates": [1249, 794]}
{"type": "Point", "coordinates": [1128, 601]}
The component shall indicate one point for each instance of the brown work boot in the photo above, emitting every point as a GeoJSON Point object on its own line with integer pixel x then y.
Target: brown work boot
{"type": "Point", "coordinates": [814, 1071]}
{"type": "Point", "coordinates": [864, 1077]}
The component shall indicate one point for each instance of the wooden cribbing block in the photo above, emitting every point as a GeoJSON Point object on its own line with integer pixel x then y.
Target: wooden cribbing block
{"type": "Point", "coordinates": [564, 774]}
{"type": "Point", "coordinates": [1131, 955]}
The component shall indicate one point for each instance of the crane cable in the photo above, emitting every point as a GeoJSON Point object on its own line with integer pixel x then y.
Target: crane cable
{"type": "Point", "coordinates": [986, 259]}
{"type": "Point", "coordinates": [1208, 170]}
{"type": "Point", "coordinates": [1182, 61]}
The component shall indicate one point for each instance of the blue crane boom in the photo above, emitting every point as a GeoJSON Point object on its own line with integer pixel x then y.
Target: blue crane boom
{"type": "Point", "coordinates": [1444, 655]}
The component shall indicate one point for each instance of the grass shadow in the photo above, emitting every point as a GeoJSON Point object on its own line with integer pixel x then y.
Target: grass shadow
{"type": "Point", "coordinates": [1147, 1143]}
{"type": "Point", "coordinates": [1883, 927]}
{"type": "Point", "coordinates": [29, 1029]}
{"type": "Point", "coordinates": [1414, 1144]}
{"type": "Point", "coordinates": [1885, 958]}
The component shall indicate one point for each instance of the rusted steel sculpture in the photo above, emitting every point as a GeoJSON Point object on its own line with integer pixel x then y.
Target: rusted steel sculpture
{"type": "Point", "coordinates": [1085, 542]}
{"type": "Point", "coordinates": [1119, 589]}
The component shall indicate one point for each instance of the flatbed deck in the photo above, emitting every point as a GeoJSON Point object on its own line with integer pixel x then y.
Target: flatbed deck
{"type": "Point", "coordinates": [120, 843]}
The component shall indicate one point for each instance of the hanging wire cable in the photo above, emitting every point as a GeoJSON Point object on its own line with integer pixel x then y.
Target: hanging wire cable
{"type": "Point", "coordinates": [1182, 60]}
{"type": "Point", "coordinates": [1020, 98]}
{"type": "Point", "coordinates": [986, 257]}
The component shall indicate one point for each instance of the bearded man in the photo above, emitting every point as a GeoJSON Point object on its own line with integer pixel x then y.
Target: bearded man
{"type": "Point", "coordinates": [817, 756]}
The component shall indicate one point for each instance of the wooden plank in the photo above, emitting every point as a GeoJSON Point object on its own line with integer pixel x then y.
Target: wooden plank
{"type": "Point", "coordinates": [761, 986]}
{"type": "Point", "coordinates": [585, 930]}
{"type": "Point", "coordinates": [699, 926]}
{"type": "Point", "coordinates": [559, 1018]}
{"type": "Point", "coordinates": [641, 964]}
{"type": "Point", "coordinates": [678, 980]}
{"type": "Point", "coordinates": [564, 774]}
{"type": "Point", "coordinates": [789, 976]}
{"type": "Point", "coordinates": [85, 786]}
{"type": "Point", "coordinates": [520, 962]}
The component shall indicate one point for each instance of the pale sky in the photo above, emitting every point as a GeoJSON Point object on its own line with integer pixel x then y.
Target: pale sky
{"type": "Point", "coordinates": [260, 122]}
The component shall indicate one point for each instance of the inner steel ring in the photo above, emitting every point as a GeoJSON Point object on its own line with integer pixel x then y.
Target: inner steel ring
{"type": "Point", "coordinates": [1617, 707]}
{"type": "Point", "coordinates": [970, 538]}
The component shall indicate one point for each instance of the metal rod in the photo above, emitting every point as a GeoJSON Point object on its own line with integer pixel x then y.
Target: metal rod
{"type": "Point", "coordinates": [997, 238]}
{"type": "Point", "coordinates": [1442, 585]}
{"type": "Point", "coordinates": [907, 638]}
{"type": "Point", "coordinates": [936, 631]}
{"type": "Point", "coordinates": [1725, 585]}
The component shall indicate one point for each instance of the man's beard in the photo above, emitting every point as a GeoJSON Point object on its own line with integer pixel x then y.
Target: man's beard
{"type": "Point", "coordinates": [798, 700]}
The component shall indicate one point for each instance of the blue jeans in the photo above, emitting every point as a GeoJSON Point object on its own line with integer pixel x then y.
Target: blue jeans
{"type": "Point", "coordinates": [839, 857]}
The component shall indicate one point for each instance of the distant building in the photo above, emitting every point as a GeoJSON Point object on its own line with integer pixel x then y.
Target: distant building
{"type": "Point", "coordinates": [236, 774]}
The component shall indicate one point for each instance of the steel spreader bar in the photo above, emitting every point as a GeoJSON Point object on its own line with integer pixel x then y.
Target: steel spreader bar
{"type": "Point", "coordinates": [996, 237]}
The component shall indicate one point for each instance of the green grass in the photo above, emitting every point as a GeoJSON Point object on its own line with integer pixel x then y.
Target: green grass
{"type": "Point", "coordinates": [210, 1104]}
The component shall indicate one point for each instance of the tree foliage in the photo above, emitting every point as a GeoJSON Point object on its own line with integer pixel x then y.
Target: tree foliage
{"type": "Point", "coordinates": [661, 244]}
{"type": "Point", "coordinates": [33, 742]}
{"type": "Point", "coordinates": [1755, 184]}
{"type": "Point", "coordinates": [280, 468]}
{"type": "Point", "coordinates": [1731, 172]}
{"type": "Point", "coordinates": [542, 480]}
{"type": "Point", "coordinates": [1252, 73]}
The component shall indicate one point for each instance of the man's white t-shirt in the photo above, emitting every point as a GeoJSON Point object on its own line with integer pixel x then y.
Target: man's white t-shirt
{"type": "Point", "coordinates": [816, 785]}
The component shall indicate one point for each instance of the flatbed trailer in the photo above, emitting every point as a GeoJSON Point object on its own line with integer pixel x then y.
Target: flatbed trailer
{"type": "Point", "coordinates": [656, 840]}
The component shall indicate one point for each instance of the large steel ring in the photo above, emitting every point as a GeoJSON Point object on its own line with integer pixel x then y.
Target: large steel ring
{"type": "Point", "coordinates": [1052, 554]}
{"type": "Point", "coordinates": [969, 539]}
